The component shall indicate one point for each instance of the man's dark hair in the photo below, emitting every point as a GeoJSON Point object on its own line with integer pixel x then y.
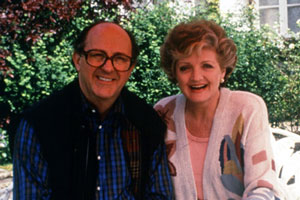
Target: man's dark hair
{"type": "Point", "coordinates": [79, 43]}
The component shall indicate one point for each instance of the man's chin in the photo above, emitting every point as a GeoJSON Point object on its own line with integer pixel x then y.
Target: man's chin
{"type": "Point", "coordinates": [107, 94]}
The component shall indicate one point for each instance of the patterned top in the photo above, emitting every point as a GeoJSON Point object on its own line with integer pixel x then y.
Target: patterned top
{"type": "Point", "coordinates": [239, 162]}
{"type": "Point", "coordinates": [31, 177]}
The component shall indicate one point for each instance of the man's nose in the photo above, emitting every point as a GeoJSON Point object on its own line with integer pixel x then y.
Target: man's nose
{"type": "Point", "coordinates": [108, 66]}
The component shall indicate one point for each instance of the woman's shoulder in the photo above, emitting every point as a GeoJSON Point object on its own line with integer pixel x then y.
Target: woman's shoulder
{"type": "Point", "coordinates": [243, 98]}
{"type": "Point", "coordinates": [167, 100]}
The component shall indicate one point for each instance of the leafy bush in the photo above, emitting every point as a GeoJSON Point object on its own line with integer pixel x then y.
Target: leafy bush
{"type": "Point", "coordinates": [289, 63]}
{"type": "Point", "coordinates": [148, 80]}
{"type": "Point", "coordinates": [47, 70]}
{"type": "Point", "coordinates": [4, 151]}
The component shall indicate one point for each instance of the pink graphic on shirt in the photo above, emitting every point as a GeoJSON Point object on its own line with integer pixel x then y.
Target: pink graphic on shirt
{"type": "Point", "coordinates": [259, 157]}
{"type": "Point", "coordinates": [273, 165]}
{"type": "Point", "coordinates": [166, 112]}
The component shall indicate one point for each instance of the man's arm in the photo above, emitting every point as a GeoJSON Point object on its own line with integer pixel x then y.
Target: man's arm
{"type": "Point", "coordinates": [160, 185]}
{"type": "Point", "coordinates": [30, 171]}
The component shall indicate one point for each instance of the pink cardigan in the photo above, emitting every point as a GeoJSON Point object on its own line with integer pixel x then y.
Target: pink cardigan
{"type": "Point", "coordinates": [239, 161]}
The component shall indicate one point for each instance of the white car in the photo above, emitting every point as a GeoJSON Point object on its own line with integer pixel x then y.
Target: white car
{"type": "Point", "coordinates": [286, 146]}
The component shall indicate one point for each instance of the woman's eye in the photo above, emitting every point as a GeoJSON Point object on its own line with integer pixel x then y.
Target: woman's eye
{"type": "Point", "coordinates": [207, 66]}
{"type": "Point", "coordinates": [183, 68]}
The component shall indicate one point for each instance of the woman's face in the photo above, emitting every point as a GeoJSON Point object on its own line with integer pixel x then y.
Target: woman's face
{"type": "Point", "coordinates": [199, 76]}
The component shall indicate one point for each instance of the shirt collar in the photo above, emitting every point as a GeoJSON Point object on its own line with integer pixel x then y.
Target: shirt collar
{"type": "Point", "coordinates": [89, 109]}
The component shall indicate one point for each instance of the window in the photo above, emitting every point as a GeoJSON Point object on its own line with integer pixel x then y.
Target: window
{"type": "Point", "coordinates": [285, 13]}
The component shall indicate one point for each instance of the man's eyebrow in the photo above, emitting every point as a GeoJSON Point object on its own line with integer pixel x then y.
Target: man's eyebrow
{"type": "Point", "coordinates": [96, 50]}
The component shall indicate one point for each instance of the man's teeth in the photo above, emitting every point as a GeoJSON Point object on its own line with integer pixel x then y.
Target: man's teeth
{"type": "Point", "coordinates": [104, 79]}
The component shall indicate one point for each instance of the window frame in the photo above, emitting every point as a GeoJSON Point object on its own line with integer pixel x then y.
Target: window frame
{"type": "Point", "coordinates": [283, 7]}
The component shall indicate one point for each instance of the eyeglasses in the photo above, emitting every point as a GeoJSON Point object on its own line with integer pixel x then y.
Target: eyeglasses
{"type": "Point", "coordinates": [97, 58]}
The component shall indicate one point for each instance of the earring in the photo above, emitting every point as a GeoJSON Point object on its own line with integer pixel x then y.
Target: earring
{"type": "Point", "coordinates": [222, 80]}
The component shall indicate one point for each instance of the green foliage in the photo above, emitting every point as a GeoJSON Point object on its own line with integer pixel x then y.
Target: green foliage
{"type": "Point", "coordinates": [289, 59]}
{"type": "Point", "coordinates": [4, 151]}
{"type": "Point", "coordinates": [36, 73]}
{"type": "Point", "coordinates": [148, 80]}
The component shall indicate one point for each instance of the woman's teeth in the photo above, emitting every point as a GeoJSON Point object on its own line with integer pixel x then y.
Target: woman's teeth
{"type": "Point", "coordinates": [198, 86]}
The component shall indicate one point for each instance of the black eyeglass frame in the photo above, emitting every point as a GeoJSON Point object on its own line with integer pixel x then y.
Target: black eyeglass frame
{"type": "Point", "coordinates": [85, 53]}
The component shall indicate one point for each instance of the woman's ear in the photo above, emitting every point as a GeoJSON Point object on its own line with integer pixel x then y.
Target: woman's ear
{"type": "Point", "coordinates": [222, 79]}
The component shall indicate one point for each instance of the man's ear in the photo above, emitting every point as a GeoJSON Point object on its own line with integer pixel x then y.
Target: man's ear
{"type": "Point", "coordinates": [132, 67]}
{"type": "Point", "coordinates": [76, 60]}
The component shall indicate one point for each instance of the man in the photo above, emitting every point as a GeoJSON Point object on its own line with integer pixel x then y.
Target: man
{"type": "Point", "coordinates": [93, 139]}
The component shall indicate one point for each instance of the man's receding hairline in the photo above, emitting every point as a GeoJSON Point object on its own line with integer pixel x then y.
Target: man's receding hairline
{"type": "Point", "coordinates": [110, 24]}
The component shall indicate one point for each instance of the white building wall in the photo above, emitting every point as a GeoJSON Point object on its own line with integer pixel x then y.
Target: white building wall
{"type": "Point", "coordinates": [232, 6]}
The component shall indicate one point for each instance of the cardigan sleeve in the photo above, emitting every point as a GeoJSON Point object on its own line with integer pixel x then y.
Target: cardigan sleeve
{"type": "Point", "coordinates": [260, 179]}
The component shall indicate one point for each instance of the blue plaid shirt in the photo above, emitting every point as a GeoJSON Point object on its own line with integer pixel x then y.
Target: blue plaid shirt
{"type": "Point", "coordinates": [31, 170]}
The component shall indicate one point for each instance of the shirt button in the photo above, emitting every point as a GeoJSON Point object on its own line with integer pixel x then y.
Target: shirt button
{"type": "Point", "coordinates": [99, 157]}
{"type": "Point", "coordinates": [98, 188]}
{"type": "Point", "coordinates": [100, 126]}
{"type": "Point", "coordinates": [93, 111]}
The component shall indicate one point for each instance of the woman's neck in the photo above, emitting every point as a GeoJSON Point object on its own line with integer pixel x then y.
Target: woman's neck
{"type": "Point", "coordinates": [199, 117]}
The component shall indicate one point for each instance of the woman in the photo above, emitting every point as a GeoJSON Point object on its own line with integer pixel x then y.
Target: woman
{"type": "Point", "coordinates": [218, 140]}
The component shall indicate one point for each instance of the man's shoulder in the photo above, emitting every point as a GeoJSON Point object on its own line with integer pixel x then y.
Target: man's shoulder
{"type": "Point", "coordinates": [134, 103]}
{"type": "Point", "coordinates": [142, 114]}
{"type": "Point", "coordinates": [137, 106]}
{"type": "Point", "coordinates": [55, 103]}
{"type": "Point", "coordinates": [47, 111]}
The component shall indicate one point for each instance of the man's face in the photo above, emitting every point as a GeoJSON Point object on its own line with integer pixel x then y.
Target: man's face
{"type": "Point", "coordinates": [103, 84]}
